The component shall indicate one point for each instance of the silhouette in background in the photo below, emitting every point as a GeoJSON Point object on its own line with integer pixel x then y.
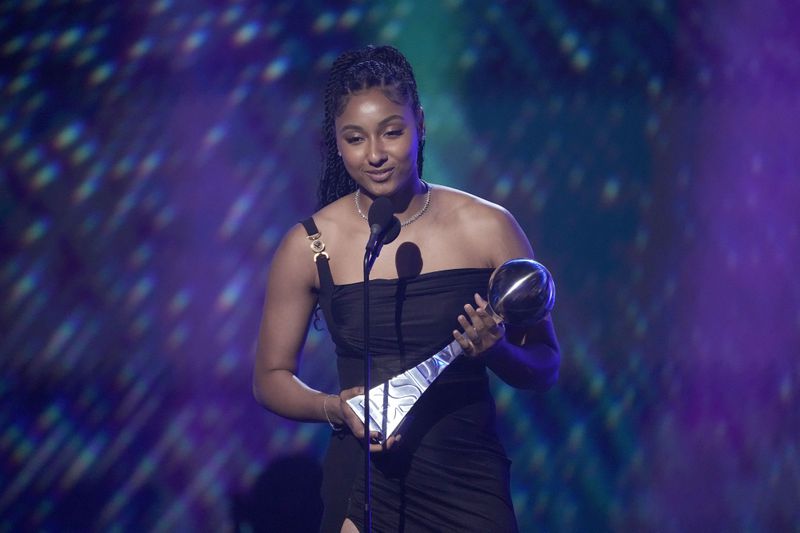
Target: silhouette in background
{"type": "Point", "coordinates": [285, 497]}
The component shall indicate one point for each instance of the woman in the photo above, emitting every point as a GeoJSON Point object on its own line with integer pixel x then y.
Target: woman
{"type": "Point", "coordinates": [447, 471]}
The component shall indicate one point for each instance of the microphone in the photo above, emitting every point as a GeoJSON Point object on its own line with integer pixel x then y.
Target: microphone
{"type": "Point", "coordinates": [384, 227]}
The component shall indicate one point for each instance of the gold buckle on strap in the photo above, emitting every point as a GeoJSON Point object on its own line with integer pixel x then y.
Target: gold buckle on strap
{"type": "Point", "coordinates": [317, 246]}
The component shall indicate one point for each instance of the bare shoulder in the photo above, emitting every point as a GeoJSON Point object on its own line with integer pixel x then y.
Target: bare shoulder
{"type": "Point", "coordinates": [472, 212]}
{"type": "Point", "coordinates": [483, 224]}
{"type": "Point", "coordinates": [293, 261]}
{"type": "Point", "coordinates": [294, 258]}
{"type": "Point", "coordinates": [329, 218]}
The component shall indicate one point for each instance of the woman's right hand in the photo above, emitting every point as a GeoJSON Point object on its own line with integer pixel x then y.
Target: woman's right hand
{"type": "Point", "coordinates": [350, 418]}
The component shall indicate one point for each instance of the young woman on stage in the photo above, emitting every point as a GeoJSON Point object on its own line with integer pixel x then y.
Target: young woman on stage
{"type": "Point", "coordinates": [447, 470]}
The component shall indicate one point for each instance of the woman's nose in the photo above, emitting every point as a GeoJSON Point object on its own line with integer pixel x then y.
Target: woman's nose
{"type": "Point", "coordinates": [376, 155]}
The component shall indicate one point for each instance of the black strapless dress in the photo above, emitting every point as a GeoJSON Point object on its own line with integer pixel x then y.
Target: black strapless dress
{"type": "Point", "coordinates": [449, 472]}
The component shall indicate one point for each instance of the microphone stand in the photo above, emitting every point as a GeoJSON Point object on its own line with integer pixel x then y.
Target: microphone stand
{"type": "Point", "coordinates": [384, 228]}
{"type": "Point", "coordinates": [369, 259]}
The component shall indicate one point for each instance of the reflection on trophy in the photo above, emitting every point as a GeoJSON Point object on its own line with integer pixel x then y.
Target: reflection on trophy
{"type": "Point", "coordinates": [521, 292]}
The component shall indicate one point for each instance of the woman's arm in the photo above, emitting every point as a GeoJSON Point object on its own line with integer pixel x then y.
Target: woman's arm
{"type": "Point", "coordinates": [288, 304]}
{"type": "Point", "coordinates": [526, 358]}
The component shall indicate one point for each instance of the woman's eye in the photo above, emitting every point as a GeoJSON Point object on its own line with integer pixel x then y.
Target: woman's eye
{"type": "Point", "coordinates": [352, 140]}
{"type": "Point", "coordinates": [394, 133]}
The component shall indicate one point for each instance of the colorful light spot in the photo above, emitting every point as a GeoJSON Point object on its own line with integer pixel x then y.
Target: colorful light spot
{"type": "Point", "coordinates": [275, 69]}
{"type": "Point", "coordinates": [45, 176]}
{"type": "Point", "coordinates": [160, 6]}
{"type": "Point", "coordinates": [68, 135]}
{"type": "Point", "coordinates": [194, 41]}
{"type": "Point", "coordinates": [581, 59]}
{"type": "Point", "coordinates": [101, 73]}
{"type": "Point", "coordinates": [35, 231]}
{"type": "Point", "coordinates": [14, 45]}
{"type": "Point", "coordinates": [568, 42]}
{"type": "Point", "coordinates": [502, 188]}
{"type": "Point", "coordinates": [83, 153]}
{"type": "Point", "coordinates": [140, 48]}
{"type": "Point", "coordinates": [63, 334]}
{"type": "Point", "coordinates": [140, 291]}
{"type": "Point", "coordinates": [69, 38]}
{"type": "Point", "coordinates": [246, 33]}
{"type": "Point", "coordinates": [14, 142]}
{"type": "Point", "coordinates": [391, 31]}
{"type": "Point", "coordinates": [20, 83]}
{"type": "Point", "coordinates": [350, 18]}
{"type": "Point", "coordinates": [324, 22]}
{"type": "Point", "coordinates": [231, 293]}
{"type": "Point", "coordinates": [214, 135]}
{"type": "Point", "coordinates": [610, 190]}
{"type": "Point", "coordinates": [150, 163]}
{"type": "Point", "coordinates": [30, 159]}
{"type": "Point", "coordinates": [235, 214]}
{"type": "Point", "coordinates": [231, 15]}
{"type": "Point", "coordinates": [85, 56]}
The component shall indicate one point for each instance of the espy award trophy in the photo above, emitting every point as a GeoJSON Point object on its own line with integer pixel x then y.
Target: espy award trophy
{"type": "Point", "coordinates": [521, 292]}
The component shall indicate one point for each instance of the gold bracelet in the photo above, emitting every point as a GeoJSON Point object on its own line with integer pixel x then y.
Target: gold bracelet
{"type": "Point", "coordinates": [327, 416]}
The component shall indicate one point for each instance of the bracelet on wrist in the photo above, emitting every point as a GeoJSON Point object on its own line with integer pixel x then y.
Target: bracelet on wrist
{"type": "Point", "coordinates": [334, 427]}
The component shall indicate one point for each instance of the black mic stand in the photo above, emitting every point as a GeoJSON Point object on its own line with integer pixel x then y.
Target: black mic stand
{"type": "Point", "coordinates": [369, 259]}
{"type": "Point", "coordinates": [384, 228]}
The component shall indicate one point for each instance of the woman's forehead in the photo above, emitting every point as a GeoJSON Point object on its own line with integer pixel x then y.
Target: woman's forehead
{"type": "Point", "coordinates": [372, 103]}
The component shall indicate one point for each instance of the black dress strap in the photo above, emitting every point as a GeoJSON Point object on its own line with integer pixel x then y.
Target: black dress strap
{"type": "Point", "coordinates": [320, 255]}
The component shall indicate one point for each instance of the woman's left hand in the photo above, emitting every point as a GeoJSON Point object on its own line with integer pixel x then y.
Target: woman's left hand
{"type": "Point", "coordinates": [481, 330]}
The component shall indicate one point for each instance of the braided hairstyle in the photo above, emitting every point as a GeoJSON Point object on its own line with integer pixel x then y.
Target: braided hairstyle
{"type": "Point", "coordinates": [357, 70]}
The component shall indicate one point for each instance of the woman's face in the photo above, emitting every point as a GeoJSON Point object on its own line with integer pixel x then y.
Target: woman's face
{"type": "Point", "coordinates": [378, 140]}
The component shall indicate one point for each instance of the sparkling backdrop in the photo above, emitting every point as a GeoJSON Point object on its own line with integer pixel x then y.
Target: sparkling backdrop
{"type": "Point", "coordinates": [153, 153]}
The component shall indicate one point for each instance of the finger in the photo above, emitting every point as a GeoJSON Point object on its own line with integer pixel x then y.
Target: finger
{"type": "Point", "coordinates": [376, 443]}
{"type": "Point", "coordinates": [374, 437]}
{"type": "Point", "coordinates": [465, 344]}
{"type": "Point", "coordinates": [487, 320]}
{"type": "Point", "coordinates": [352, 421]}
{"type": "Point", "coordinates": [351, 393]}
{"type": "Point", "coordinates": [469, 329]}
{"type": "Point", "coordinates": [479, 319]}
{"type": "Point", "coordinates": [357, 430]}
{"type": "Point", "coordinates": [484, 305]}
{"type": "Point", "coordinates": [392, 441]}
{"type": "Point", "coordinates": [471, 312]}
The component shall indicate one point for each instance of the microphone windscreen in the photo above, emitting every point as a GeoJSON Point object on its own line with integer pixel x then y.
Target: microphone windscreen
{"type": "Point", "coordinates": [381, 212]}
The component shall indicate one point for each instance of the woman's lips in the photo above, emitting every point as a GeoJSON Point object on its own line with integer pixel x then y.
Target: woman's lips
{"type": "Point", "coordinates": [379, 175]}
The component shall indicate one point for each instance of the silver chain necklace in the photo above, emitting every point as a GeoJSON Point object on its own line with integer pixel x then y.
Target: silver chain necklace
{"type": "Point", "coordinates": [410, 220]}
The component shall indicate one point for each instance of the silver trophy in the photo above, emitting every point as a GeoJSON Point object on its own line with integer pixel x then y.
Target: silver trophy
{"type": "Point", "coordinates": [521, 292]}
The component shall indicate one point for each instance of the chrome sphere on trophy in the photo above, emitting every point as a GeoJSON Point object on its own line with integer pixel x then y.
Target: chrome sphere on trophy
{"type": "Point", "coordinates": [521, 292]}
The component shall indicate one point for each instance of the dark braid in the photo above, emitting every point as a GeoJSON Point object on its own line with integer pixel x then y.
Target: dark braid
{"type": "Point", "coordinates": [382, 66]}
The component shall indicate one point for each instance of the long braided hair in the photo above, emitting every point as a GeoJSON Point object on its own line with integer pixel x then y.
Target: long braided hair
{"type": "Point", "coordinates": [364, 68]}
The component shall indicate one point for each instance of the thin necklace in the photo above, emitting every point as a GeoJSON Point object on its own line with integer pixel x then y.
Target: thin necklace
{"type": "Point", "coordinates": [410, 220]}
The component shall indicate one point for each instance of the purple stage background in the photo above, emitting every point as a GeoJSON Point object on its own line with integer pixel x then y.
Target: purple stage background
{"type": "Point", "coordinates": [153, 154]}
